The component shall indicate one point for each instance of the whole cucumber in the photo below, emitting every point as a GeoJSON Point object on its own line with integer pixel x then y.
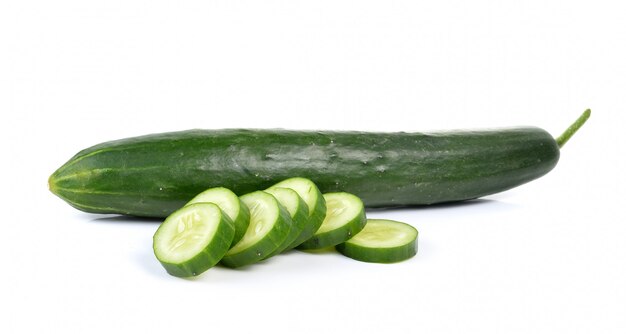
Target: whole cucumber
{"type": "Point", "coordinates": [154, 175]}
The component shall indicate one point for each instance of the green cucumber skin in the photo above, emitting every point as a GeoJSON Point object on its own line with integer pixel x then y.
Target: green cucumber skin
{"type": "Point", "coordinates": [302, 218]}
{"type": "Point", "coordinates": [293, 232]}
{"type": "Point", "coordinates": [156, 174]}
{"type": "Point", "coordinates": [241, 222]}
{"type": "Point", "coordinates": [389, 255]}
{"type": "Point", "coordinates": [314, 221]}
{"type": "Point", "coordinates": [299, 224]}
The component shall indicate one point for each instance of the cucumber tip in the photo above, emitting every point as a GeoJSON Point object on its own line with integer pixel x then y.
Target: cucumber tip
{"type": "Point", "coordinates": [52, 184]}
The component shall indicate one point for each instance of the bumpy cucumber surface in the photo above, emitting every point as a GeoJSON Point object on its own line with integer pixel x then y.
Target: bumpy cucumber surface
{"type": "Point", "coordinates": [156, 174]}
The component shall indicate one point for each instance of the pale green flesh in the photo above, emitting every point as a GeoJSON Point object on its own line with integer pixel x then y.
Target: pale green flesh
{"type": "Point", "coordinates": [287, 197]}
{"type": "Point", "coordinates": [186, 232]}
{"type": "Point", "coordinates": [382, 233]}
{"type": "Point", "coordinates": [222, 197]}
{"type": "Point", "coordinates": [263, 215]}
{"type": "Point", "coordinates": [304, 187]}
{"type": "Point", "coordinates": [341, 208]}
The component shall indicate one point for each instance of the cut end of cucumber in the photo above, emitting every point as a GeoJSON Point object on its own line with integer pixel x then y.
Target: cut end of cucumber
{"type": "Point", "coordinates": [304, 187]}
{"type": "Point", "coordinates": [384, 234]}
{"type": "Point", "coordinates": [340, 208]}
{"type": "Point", "coordinates": [344, 218]}
{"type": "Point", "coordinates": [222, 197]}
{"type": "Point", "coordinates": [186, 233]}
{"type": "Point", "coordinates": [269, 226]}
{"type": "Point", "coordinates": [287, 197]}
{"type": "Point", "coordinates": [298, 212]}
{"type": "Point", "coordinates": [230, 204]}
{"type": "Point", "coordinates": [262, 218]}
{"type": "Point", "coordinates": [314, 200]}
{"type": "Point", "coordinates": [193, 239]}
{"type": "Point", "coordinates": [382, 241]}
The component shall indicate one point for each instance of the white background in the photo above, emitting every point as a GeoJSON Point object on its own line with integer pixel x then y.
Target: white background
{"type": "Point", "coordinates": [547, 257]}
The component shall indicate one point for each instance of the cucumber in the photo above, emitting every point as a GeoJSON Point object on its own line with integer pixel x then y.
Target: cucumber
{"type": "Point", "coordinates": [298, 211]}
{"type": "Point", "coordinates": [156, 174]}
{"type": "Point", "coordinates": [269, 226]}
{"type": "Point", "coordinates": [312, 196]}
{"type": "Point", "coordinates": [230, 204]}
{"type": "Point", "coordinates": [345, 217]}
{"type": "Point", "coordinates": [193, 239]}
{"type": "Point", "coordinates": [381, 241]}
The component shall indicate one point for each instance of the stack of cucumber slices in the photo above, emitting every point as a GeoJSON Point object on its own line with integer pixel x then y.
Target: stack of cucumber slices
{"type": "Point", "coordinates": [217, 226]}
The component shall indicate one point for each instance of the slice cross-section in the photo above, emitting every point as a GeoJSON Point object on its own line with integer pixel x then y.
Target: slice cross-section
{"type": "Point", "coordinates": [193, 239]}
{"type": "Point", "coordinates": [382, 241]}
{"type": "Point", "coordinates": [313, 198]}
{"type": "Point", "coordinates": [269, 226]}
{"type": "Point", "coordinates": [298, 211]}
{"type": "Point", "coordinates": [230, 204]}
{"type": "Point", "coordinates": [345, 217]}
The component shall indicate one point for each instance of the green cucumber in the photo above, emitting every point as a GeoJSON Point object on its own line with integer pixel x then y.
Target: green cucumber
{"type": "Point", "coordinates": [156, 174]}
{"type": "Point", "coordinates": [193, 239]}
{"type": "Point", "coordinates": [381, 241]}
{"type": "Point", "coordinates": [345, 217]}
{"type": "Point", "coordinates": [312, 196]}
{"type": "Point", "coordinates": [298, 210]}
{"type": "Point", "coordinates": [230, 204]}
{"type": "Point", "coordinates": [269, 226]}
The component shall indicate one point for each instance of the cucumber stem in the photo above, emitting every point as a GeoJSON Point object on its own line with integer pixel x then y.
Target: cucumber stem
{"type": "Point", "coordinates": [562, 139]}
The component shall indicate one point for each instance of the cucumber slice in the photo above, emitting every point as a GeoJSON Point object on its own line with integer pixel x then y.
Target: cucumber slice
{"type": "Point", "coordinates": [345, 217]}
{"type": "Point", "coordinates": [230, 204]}
{"type": "Point", "coordinates": [382, 241]}
{"type": "Point", "coordinates": [313, 198]}
{"type": "Point", "coordinates": [193, 239]}
{"type": "Point", "coordinates": [269, 226]}
{"type": "Point", "coordinates": [298, 211]}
